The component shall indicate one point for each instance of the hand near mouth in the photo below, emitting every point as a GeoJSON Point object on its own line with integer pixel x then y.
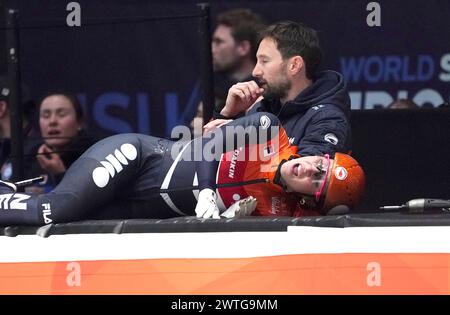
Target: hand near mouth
{"type": "Point", "coordinates": [50, 161]}
{"type": "Point", "coordinates": [241, 97]}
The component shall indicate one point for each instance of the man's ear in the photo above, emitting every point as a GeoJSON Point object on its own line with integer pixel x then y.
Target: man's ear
{"type": "Point", "coordinates": [3, 109]}
{"type": "Point", "coordinates": [244, 48]}
{"type": "Point", "coordinates": [295, 64]}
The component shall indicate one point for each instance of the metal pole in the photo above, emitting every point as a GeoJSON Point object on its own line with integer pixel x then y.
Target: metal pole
{"type": "Point", "coordinates": [206, 68]}
{"type": "Point", "coordinates": [15, 104]}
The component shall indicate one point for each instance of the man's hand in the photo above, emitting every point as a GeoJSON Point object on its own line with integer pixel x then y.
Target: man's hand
{"type": "Point", "coordinates": [240, 97]}
{"type": "Point", "coordinates": [49, 161]}
{"type": "Point", "coordinates": [214, 124]}
{"type": "Point", "coordinates": [206, 205]}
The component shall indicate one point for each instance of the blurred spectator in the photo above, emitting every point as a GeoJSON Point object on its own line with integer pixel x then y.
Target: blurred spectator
{"type": "Point", "coordinates": [403, 104]}
{"type": "Point", "coordinates": [234, 46]}
{"type": "Point", "coordinates": [61, 124]}
{"type": "Point", "coordinates": [28, 108]}
{"type": "Point", "coordinates": [29, 129]}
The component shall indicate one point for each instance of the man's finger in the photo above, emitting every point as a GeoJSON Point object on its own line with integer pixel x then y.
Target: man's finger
{"type": "Point", "coordinates": [225, 121]}
{"type": "Point", "coordinates": [212, 125]}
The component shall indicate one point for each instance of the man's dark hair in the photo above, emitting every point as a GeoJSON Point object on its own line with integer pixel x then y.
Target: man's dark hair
{"type": "Point", "coordinates": [245, 25]}
{"type": "Point", "coordinates": [296, 39]}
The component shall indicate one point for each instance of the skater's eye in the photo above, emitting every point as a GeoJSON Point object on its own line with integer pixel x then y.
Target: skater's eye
{"type": "Point", "coordinates": [320, 166]}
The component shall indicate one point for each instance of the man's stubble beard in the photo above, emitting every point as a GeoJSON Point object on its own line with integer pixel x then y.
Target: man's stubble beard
{"type": "Point", "coordinates": [278, 91]}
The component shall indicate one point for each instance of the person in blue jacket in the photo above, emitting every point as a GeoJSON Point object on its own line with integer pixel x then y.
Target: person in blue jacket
{"type": "Point", "coordinates": [313, 107]}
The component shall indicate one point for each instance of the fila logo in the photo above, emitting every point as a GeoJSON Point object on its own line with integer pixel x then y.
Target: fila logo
{"type": "Point", "coordinates": [113, 164]}
{"type": "Point", "coordinates": [46, 213]}
{"type": "Point", "coordinates": [13, 201]}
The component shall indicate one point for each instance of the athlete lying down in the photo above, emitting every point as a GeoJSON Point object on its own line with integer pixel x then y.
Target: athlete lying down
{"type": "Point", "coordinates": [139, 176]}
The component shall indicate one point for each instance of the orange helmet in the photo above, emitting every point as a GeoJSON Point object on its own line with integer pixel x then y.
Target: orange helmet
{"type": "Point", "coordinates": [346, 184]}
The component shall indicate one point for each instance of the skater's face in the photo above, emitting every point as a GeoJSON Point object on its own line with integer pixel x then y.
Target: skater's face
{"type": "Point", "coordinates": [58, 121]}
{"type": "Point", "coordinates": [306, 175]}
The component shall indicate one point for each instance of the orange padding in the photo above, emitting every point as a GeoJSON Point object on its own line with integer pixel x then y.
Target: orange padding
{"type": "Point", "coordinates": [288, 274]}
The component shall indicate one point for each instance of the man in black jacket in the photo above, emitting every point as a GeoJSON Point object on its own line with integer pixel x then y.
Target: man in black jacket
{"type": "Point", "coordinates": [314, 108]}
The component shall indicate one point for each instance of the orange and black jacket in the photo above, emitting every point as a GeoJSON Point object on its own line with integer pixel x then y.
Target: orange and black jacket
{"type": "Point", "coordinates": [250, 169]}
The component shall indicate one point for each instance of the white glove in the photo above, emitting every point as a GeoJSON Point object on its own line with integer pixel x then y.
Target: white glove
{"type": "Point", "coordinates": [241, 208]}
{"type": "Point", "coordinates": [206, 204]}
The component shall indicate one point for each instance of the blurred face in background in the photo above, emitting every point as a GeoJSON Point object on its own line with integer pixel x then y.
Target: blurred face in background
{"type": "Point", "coordinates": [58, 121]}
{"type": "Point", "coordinates": [225, 50]}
